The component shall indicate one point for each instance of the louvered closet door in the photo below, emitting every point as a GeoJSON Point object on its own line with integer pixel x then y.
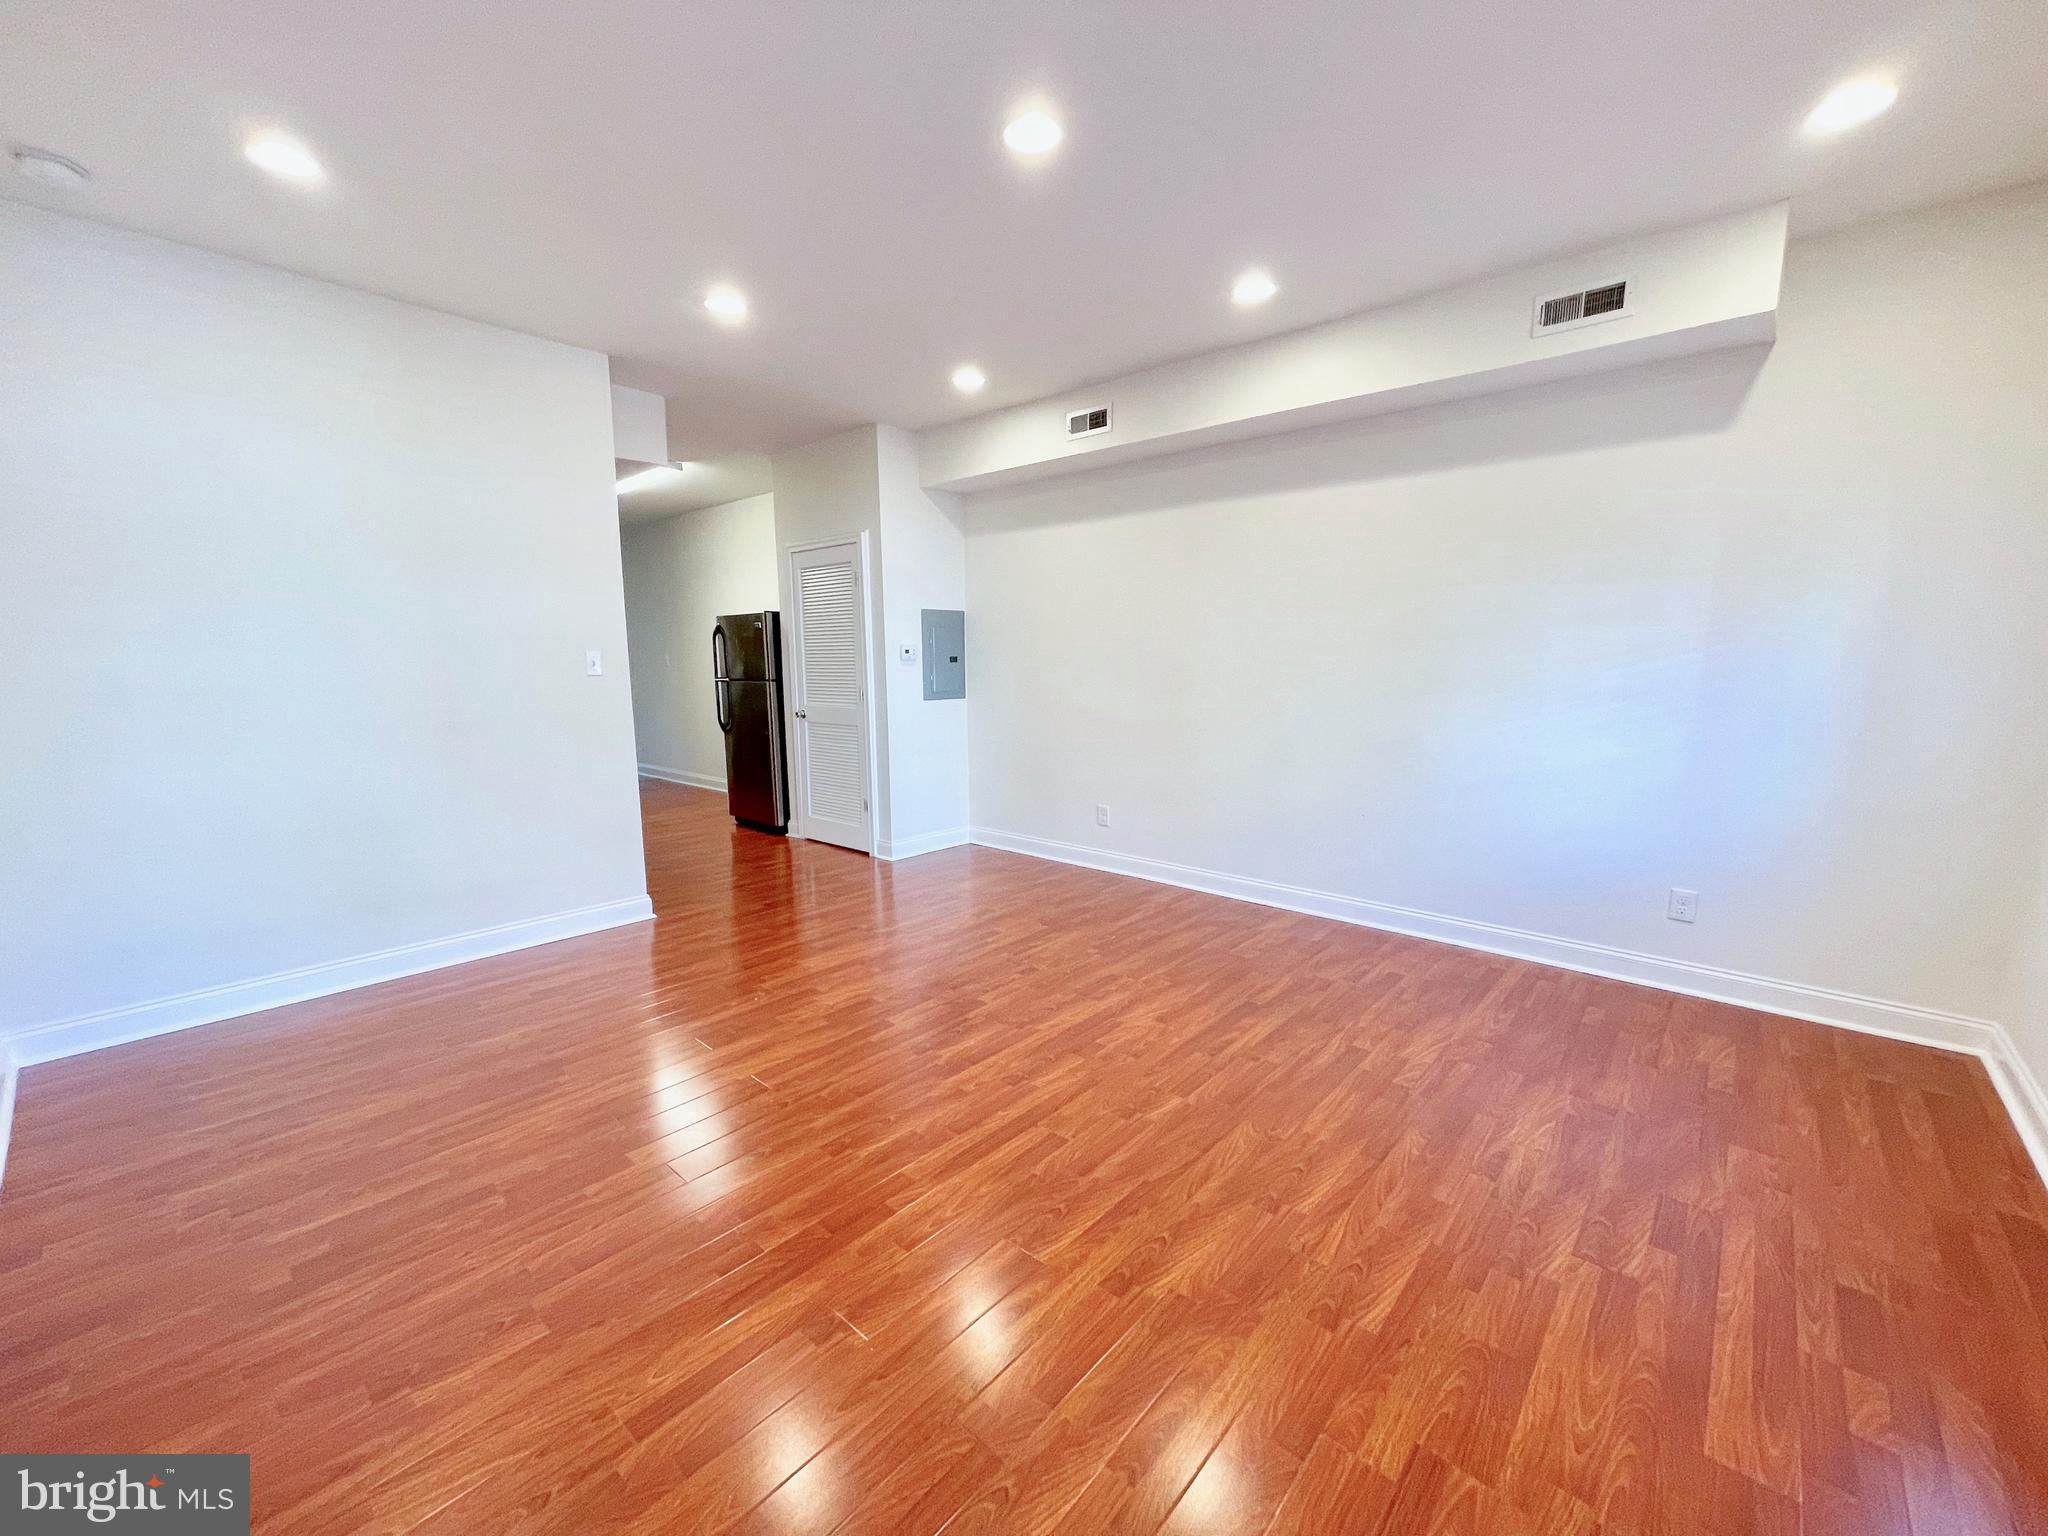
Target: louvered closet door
{"type": "Point", "coordinates": [829, 696]}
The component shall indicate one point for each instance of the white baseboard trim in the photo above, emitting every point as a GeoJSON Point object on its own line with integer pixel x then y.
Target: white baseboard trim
{"type": "Point", "coordinates": [1903, 1021]}
{"type": "Point", "coordinates": [8, 1075]}
{"type": "Point", "coordinates": [683, 776]}
{"type": "Point", "coordinates": [118, 1026]}
{"type": "Point", "coordinates": [2024, 1100]}
{"type": "Point", "coordinates": [37, 1043]}
{"type": "Point", "coordinates": [1820, 1005]}
{"type": "Point", "coordinates": [53, 1041]}
{"type": "Point", "coordinates": [927, 842]}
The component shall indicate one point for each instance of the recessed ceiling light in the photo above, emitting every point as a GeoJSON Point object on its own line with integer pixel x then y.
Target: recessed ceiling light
{"type": "Point", "coordinates": [1851, 105]}
{"type": "Point", "coordinates": [726, 303]}
{"type": "Point", "coordinates": [50, 168]}
{"type": "Point", "coordinates": [1252, 289]}
{"type": "Point", "coordinates": [968, 379]}
{"type": "Point", "coordinates": [647, 479]}
{"type": "Point", "coordinates": [282, 155]}
{"type": "Point", "coordinates": [1033, 133]}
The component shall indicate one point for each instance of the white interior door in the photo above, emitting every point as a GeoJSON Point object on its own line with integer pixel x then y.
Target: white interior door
{"type": "Point", "coordinates": [828, 694]}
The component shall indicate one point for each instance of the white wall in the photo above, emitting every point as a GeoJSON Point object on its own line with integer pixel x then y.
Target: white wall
{"type": "Point", "coordinates": [681, 573]}
{"type": "Point", "coordinates": [831, 490]}
{"type": "Point", "coordinates": [2026, 1010]}
{"type": "Point", "coordinates": [1765, 625]}
{"type": "Point", "coordinates": [639, 425]}
{"type": "Point", "coordinates": [924, 557]}
{"type": "Point", "coordinates": [866, 482]}
{"type": "Point", "coordinates": [296, 589]}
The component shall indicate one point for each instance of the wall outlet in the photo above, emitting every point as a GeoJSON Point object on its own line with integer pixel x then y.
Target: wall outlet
{"type": "Point", "coordinates": [1684, 906]}
{"type": "Point", "coordinates": [1102, 815]}
{"type": "Point", "coordinates": [593, 663]}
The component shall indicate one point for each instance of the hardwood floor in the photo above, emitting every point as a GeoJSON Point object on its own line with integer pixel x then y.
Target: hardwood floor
{"type": "Point", "coordinates": [978, 1193]}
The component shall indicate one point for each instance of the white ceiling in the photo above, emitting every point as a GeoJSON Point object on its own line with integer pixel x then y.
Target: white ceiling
{"type": "Point", "coordinates": [583, 171]}
{"type": "Point", "coordinates": [703, 483]}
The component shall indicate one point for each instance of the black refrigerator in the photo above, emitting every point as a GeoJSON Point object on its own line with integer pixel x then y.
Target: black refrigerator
{"type": "Point", "coordinates": [746, 672]}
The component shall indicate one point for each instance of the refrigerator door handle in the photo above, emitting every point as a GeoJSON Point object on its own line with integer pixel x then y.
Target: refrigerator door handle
{"type": "Point", "coordinates": [721, 687]}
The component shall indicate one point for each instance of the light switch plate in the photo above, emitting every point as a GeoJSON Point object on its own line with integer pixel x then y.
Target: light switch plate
{"type": "Point", "coordinates": [593, 663]}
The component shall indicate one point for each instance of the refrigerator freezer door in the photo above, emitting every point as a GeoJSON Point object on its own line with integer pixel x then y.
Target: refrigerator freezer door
{"type": "Point", "coordinates": [749, 647]}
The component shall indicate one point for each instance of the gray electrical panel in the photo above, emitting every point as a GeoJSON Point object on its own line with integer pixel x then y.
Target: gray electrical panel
{"type": "Point", "coordinates": [945, 653]}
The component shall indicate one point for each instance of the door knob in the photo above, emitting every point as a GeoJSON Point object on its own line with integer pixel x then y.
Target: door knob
{"type": "Point", "coordinates": [801, 715]}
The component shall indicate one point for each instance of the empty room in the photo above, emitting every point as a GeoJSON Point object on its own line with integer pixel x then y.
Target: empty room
{"type": "Point", "coordinates": [828, 767]}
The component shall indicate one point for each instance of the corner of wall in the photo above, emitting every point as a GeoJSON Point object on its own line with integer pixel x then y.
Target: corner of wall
{"type": "Point", "coordinates": [2024, 1099]}
{"type": "Point", "coordinates": [830, 490]}
{"type": "Point", "coordinates": [866, 481]}
{"type": "Point", "coordinates": [10, 1075]}
{"type": "Point", "coordinates": [2024, 1036]}
{"type": "Point", "coordinates": [924, 553]}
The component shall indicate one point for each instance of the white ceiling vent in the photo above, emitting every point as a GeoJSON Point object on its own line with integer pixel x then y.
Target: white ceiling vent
{"type": "Point", "coordinates": [1087, 423]}
{"type": "Point", "coordinates": [1581, 307]}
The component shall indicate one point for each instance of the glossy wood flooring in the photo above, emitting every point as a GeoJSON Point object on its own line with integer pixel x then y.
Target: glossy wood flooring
{"type": "Point", "coordinates": [976, 1193]}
